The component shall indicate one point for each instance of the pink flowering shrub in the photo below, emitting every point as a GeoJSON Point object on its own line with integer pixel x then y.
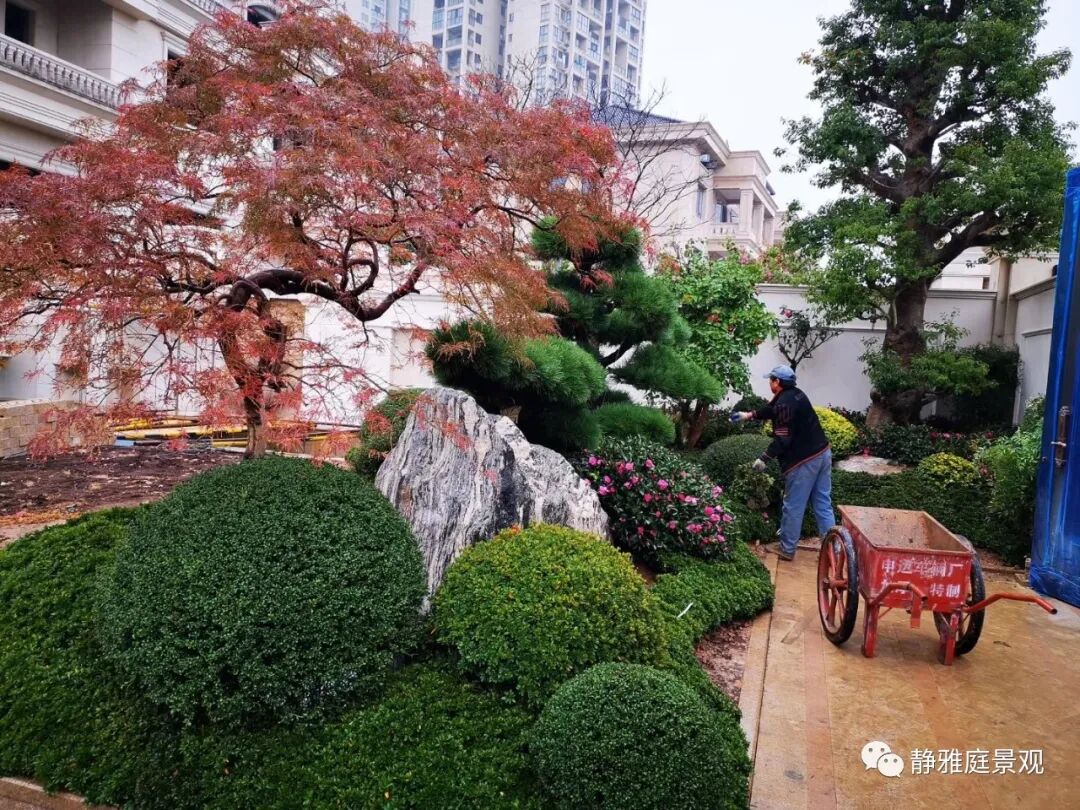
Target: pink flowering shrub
{"type": "Point", "coordinates": [656, 500]}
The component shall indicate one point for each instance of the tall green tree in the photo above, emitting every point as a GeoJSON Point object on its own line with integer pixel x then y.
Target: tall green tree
{"type": "Point", "coordinates": [718, 300]}
{"type": "Point", "coordinates": [628, 320]}
{"type": "Point", "coordinates": [936, 129]}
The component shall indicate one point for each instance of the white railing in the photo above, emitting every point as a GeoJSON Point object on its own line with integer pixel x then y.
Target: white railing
{"type": "Point", "coordinates": [724, 228]}
{"type": "Point", "coordinates": [210, 6]}
{"type": "Point", "coordinates": [52, 70]}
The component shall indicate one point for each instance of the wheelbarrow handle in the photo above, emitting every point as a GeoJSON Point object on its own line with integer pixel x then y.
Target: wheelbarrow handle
{"type": "Point", "coordinates": [1015, 597]}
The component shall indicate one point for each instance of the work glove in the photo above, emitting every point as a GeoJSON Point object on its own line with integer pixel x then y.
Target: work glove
{"type": "Point", "coordinates": [759, 465]}
{"type": "Point", "coordinates": [742, 416]}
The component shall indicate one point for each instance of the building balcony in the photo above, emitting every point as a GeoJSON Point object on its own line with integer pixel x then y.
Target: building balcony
{"type": "Point", "coordinates": [44, 67]}
{"type": "Point", "coordinates": [209, 6]}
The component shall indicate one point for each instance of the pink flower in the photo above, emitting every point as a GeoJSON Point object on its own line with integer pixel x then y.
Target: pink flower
{"type": "Point", "coordinates": [641, 531]}
{"type": "Point", "coordinates": [607, 479]}
{"type": "Point", "coordinates": [602, 490]}
{"type": "Point", "coordinates": [728, 518]}
{"type": "Point", "coordinates": [593, 461]}
{"type": "Point", "coordinates": [715, 518]}
{"type": "Point", "coordinates": [709, 511]}
{"type": "Point", "coordinates": [694, 528]}
{"type": "Point", "coordinates": [672, 525]}
{"type": "Point", "coordinates": [649, 464]}
{"type": "Point", "coordinates": [765, 515]}
{"type": "Point", "coordinates": [662, 484]}
{"type": "Point", "coordinates": [646, 497]}
{"type": "Point", "coordinates": [716, 491]}
{"type": "Point", "coordinates": [629, 466]}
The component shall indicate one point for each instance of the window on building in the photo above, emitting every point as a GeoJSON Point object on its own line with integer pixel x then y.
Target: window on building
{"type": "Point", "coordinates": [454, 16]}
{"type": "Point", "coordinates": [174, 69]}
{"type": "Point", "coordinates": [543, 33]}
{"type": "Point", "coordinates": [545, 12]}
{"type": "Point", "coordinates": [260, 15]}
{"type": "Point", "coordinates": [19, 23]}
{"type": "Point", "coordinates": [700, 204]}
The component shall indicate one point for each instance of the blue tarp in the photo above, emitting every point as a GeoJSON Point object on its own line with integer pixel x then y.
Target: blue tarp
{"type": "Point", "coordinates": [1055, 563]}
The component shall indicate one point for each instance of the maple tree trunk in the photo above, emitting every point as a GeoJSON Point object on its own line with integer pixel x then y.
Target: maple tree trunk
{"type": "Point", "coordinates": [256, 429]}
{"type": "Point", "coordinates": [904, 336]}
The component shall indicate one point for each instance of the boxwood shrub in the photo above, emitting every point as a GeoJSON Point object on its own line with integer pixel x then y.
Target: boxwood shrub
{"type": "Point", "coordinates": [697, 596]}
{"type": "Point", "coordinates": [381, 429]}
{"type": "Point", "coordinates": [722, 459]}
{"type": "Point", "coordinates": [263, 591]}
{"type": "Point", "coordinates": [433, 740]}
{"type": "Point", "coordinates": [628, 736]}
{"type": "Point", "coordinates": [842, 435]}
{"type": "Point", "coordinates": [530, 608]}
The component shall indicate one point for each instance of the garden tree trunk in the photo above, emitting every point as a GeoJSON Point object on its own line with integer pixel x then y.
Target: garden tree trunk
{"type": "Point", "coordinates": [695, 426]}
{"type": "Point", "coordinates": [904, 337]}
{"type": "Point", "coordinates": [256, 430]}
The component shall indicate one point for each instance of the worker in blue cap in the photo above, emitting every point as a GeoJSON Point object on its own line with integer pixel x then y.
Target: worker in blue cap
{"type": "Point", "coordinates": [802, 450]}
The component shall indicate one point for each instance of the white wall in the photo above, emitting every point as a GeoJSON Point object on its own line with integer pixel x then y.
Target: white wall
{"type": "Point", "coordinates": [1034, 324]}
{"type": "Point", "coordinates": [834, 375]}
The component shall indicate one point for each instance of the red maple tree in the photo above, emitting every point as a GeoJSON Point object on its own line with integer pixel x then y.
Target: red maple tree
{"type": "Point", "coordinates": [308, 158]}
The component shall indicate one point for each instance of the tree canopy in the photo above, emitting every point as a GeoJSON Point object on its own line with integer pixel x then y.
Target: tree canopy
{"type": "Point", "coordinates": [309, 158]}
{"type": "Point", "coordinates": [936, 129]}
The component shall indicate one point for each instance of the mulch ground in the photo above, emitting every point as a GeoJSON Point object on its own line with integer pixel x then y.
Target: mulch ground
{"type": "Point", "coordinates": [38, 492]}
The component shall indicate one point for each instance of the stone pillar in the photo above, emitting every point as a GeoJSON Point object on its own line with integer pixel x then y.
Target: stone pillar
{"type": "Point", "coordinates": [769, 234]}
{"type": "Point", "coordinates": [746, 211]}
{"type": "Point", "coordinates": [759, 223]}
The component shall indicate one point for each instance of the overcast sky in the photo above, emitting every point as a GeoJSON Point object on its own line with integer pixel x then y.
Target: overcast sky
{"type": "Point", "coordinates": [733, 62]}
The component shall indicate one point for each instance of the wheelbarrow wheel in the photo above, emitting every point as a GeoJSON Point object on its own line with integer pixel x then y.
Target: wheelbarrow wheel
{"type": "Point", "coordinates": [838, 585]}
{"type": "Point", "coordinates": [971, 624]}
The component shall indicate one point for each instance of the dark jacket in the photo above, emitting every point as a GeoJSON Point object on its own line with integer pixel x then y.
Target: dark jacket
{"type": "Point", "coordinates": [797, 433]}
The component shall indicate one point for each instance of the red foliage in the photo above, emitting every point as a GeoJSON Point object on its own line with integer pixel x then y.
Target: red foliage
{"type": "Point", "coordinates": [309, 159]}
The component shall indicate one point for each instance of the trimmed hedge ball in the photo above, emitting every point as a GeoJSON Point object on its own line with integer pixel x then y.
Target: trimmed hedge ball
{"type": "Point", "coordinates": [629, 736]}
{"type": "Point", "coordinates": [264, 591]}
{"type": "Point", "coordinates": [530, 608]}
{"type": "Point", "coordinates": [842, 435]}
{"type": "Point", "coordinates": [723, 458]}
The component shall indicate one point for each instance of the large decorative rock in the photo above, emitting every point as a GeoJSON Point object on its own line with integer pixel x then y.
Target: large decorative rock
{"type": "Point", "coordinates": [459, 475]}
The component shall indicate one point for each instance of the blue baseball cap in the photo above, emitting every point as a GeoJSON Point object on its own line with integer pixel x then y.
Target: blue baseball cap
{"type": "Point", "coordinates": [785, 373]}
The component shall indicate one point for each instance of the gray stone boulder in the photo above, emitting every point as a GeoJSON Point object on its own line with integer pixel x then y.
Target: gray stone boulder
{"type": "Point", "coordinates": [459, 475]}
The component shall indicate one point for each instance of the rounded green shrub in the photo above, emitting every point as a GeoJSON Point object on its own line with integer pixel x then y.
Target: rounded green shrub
{"type": "Point", "coordinates": [842, 435]}
{"type": "Point", "coordinates": [530, 608]}
{"type": "Point", "coordinates": [432, 740]}
{"type": "Point", "coordinates": [723, 458]}
{"type": "Point", "coordinates": [620, 419]}
{"type": "Point", "coordinates": [263, 591]}
{"type": "Point", "coordinates": [947, 471]}
{"type": "Point", "coordinates": [627, 736]}
{"type": "Point", "coordinates": [381, 429]}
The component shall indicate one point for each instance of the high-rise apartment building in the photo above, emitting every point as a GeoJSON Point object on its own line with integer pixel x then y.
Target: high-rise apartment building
{"type": "Point", "coordinates": [587, 49]}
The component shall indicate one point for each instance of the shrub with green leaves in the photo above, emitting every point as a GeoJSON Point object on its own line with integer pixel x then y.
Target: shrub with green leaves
{"type": "Point", "coordinates": [722, 459]}
{"type": "Point", "coordinates": [263, 591]}
{"type": "Point", "coordinates": [697, 596]}
{"type": "Point", "coordinates": [628, 736]}
{"type": "Point", "coordinates": [948, 471]}
{"type": "Point", "coordinates": [381, 429]}
{"type": "Point", "coordinates": [1012, 464]}
{"type": "Point", "coordinates": [842, 435]}
{"type": "Point", "coordinates": [432, 740]}
{"type": "Point", "coordinates": [656, 499]}
{"type": "Point", "coordinates": [530, 608]}
{"type": "Point", "coordinates": [620, 419]}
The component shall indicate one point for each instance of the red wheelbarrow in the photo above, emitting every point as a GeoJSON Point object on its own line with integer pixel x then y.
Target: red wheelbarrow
{"type": "Point", "coordinates": [898, 558]}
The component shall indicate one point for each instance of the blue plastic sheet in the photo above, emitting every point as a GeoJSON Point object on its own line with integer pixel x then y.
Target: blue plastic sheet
{"type": "Point", "coordinates": [1055, 563]}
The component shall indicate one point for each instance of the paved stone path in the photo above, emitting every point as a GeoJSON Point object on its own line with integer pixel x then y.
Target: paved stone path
{"type": "Point", "coordinates": [820, 704]}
